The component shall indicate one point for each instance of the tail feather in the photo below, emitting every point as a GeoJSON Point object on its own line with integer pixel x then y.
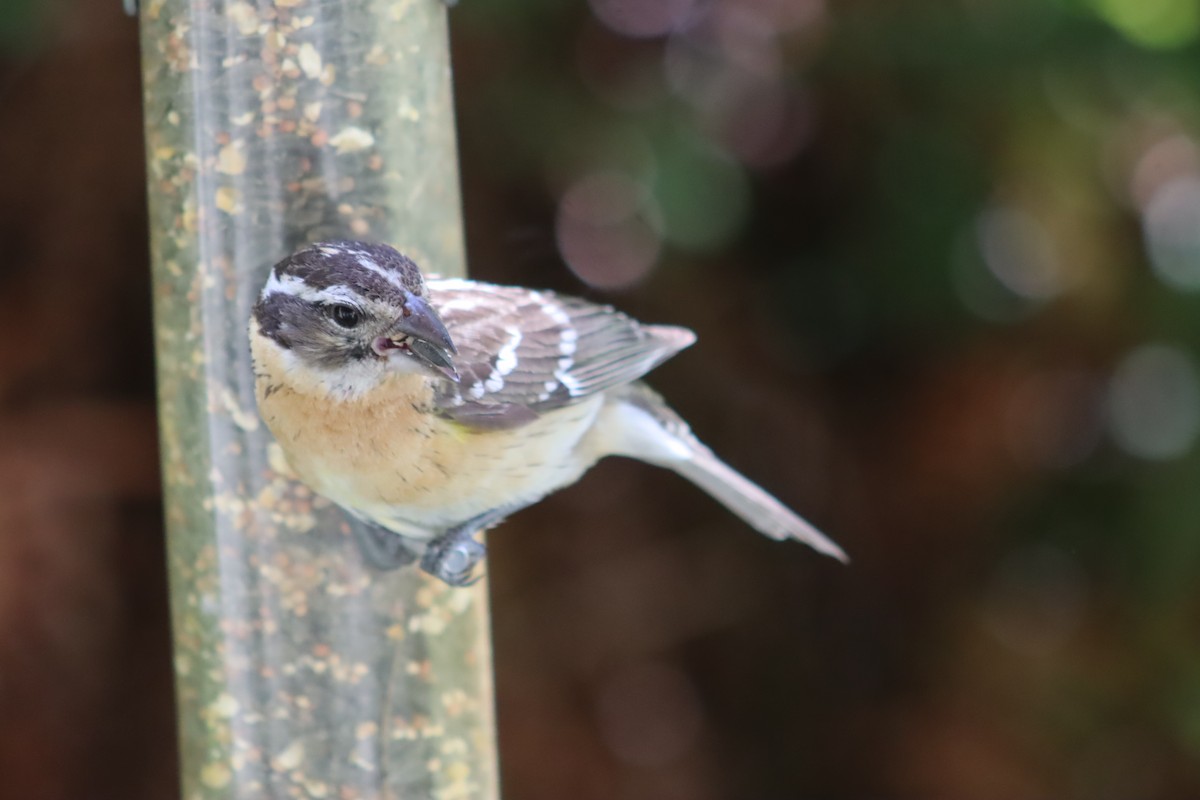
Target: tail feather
{"type": "Point", "coordinates": [644, 427]}
{"type": "Point", "coordinates": [750, 502]}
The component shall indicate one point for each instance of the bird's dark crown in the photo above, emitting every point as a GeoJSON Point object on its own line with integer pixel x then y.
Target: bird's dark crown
{"type": "Point", "coordinates": [374, 271]}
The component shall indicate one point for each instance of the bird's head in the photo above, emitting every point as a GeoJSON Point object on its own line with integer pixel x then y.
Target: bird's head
{"type": "Point", "coordinates": [354, 312]}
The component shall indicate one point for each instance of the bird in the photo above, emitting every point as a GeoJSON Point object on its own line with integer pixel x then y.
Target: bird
{"type": "Point", "coordinates": [433, 408]}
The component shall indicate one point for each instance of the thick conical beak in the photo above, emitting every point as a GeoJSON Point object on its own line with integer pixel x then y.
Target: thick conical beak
{"type": "Point", "coordinates": [423, 331]}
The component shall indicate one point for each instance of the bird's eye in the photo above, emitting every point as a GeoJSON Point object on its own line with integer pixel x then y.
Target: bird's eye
{"type": "Point", "coordinates": [343, 315]}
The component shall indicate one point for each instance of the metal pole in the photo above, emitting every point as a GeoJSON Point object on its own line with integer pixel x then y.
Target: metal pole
{"type": "Point", "coordinates": [300, 672]}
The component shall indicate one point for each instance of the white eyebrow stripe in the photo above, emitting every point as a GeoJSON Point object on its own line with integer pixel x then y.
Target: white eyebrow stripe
{"type": "Point", "coordinates": [364, 260]}
{"type": "Point", "coordinates": [368, 263]}
{"type": "Point", "coordinates": [339, 294]}
{"type": "Point", "coordinates": [296, 287]}
{"type": "Point", "coordinates": [289, 284]}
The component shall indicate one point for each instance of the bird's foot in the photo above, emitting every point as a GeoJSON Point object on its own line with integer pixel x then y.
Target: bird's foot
{"type": "Point", "coordinates": [382, 548]}
{"type": "Point", "coordinates": [453, 555]}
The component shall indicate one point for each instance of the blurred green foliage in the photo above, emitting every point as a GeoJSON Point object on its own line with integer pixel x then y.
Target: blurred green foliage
{"type": "Point", "coordinates": [961, 224]}
{"type": "Point", "coordinates": [944, 260]}
{"type": "Point", "coordinates": [22, 24]}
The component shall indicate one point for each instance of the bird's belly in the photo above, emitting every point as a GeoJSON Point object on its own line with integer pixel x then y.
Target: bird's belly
{"type": "Point", "coordinates": [423, 474]}
{"type": "Point", "coordinates": [499, 469]}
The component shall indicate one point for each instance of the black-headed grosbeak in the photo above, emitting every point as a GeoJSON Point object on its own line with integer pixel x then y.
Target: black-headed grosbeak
{"type": "Point", "coordinates": [434, 409]}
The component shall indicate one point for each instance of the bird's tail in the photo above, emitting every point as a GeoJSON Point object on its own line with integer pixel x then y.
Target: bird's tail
{"type": "Point", "coordinates": [655, 433]}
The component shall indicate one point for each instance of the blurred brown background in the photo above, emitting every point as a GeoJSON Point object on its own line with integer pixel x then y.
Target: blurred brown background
{"type": "Point", "coordinates": [943, 261]}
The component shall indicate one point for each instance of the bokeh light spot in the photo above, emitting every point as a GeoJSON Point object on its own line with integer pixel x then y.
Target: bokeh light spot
{"type": "Point", "coordinates": [746, 41]}
{"type": "Point", "coordinates": [1153, 23]}
{"type": "Point", "coordinates": [606, 230]}
{"type": "Point", "coordinates": [1168, 158]}
{"type": "Point", "coordinates": [977, 287]}
{"type": "Point", "coordinates": [762, 123]}
{"type": "Point", "coordinates": [1154, 402]}
{"type": "Point", "coordinates": [1020, 252]}
{"type": "Point", "coordinates": [642, 18]}
{"type": "Point", "coordinates": [1172, 226]}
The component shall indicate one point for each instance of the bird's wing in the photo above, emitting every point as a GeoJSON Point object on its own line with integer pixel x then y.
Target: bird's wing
{"type": "Point", "coordinates": [523, 352]}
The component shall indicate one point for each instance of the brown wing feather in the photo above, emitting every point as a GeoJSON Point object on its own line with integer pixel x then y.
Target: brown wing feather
{"type": "Point", "coordinates": [523, 352]}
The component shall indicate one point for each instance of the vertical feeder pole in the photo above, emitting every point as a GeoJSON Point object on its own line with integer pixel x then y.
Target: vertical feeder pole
{"type": "Point", "coordinates": [300, 672]}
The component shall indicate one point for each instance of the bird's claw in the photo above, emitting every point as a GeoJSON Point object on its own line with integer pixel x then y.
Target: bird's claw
{"type": "Point", "coordinates": [454, 560]}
